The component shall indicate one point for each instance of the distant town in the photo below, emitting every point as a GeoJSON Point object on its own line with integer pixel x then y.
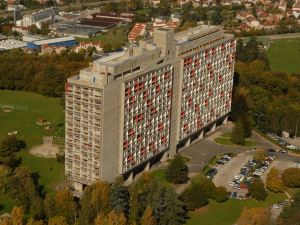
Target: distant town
{"type": "Point", "coordinates": [149, 112]}
{"type": "Point", "coordinates": [55, 28]}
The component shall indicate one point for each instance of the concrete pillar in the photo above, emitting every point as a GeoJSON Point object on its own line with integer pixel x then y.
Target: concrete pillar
{"type": "Point", "coordinates": [225, 121]}
{"type": "Point", "coordinates": [165, 157]}
{"type": "Point", "coordinates": [213, 129]}
{"type": "Point", "coordinates": [148, 166]}
{"type": "Point", "coordinates": [129, 179]}
{"type": "Point", "coordinates": [78, 186]}
{"type": "Point", "coordinates": [188, 143]}
{"type": "Point", "coordinates": [200, 137]}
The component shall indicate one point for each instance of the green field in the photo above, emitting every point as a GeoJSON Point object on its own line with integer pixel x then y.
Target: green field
{"type": "Point", "coordinates": [228, 212]}
{"type": "Point", "coordinates": [284, 55]}
{"type": "Point", "coordinates": [28, 108]}
{"type": "Point", "coordinates": [225, 139]}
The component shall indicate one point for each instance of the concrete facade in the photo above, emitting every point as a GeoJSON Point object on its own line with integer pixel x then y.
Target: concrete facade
{"type": "Point", "coordinates": [140, 105]}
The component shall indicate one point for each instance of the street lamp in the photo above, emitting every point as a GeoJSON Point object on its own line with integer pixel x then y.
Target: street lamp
{"type": "Point", "coordinates": [258, 115]}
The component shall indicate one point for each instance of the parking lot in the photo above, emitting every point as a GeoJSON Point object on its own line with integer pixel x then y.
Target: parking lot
{"type": "Point", "coordinates": [227, 172]}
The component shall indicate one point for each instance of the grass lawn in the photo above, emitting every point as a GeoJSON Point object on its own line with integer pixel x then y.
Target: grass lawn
{"type": "Point", "coordinates": [6, 203]}
{"type": "Point", "coordinates": [228, 212]}
{"type": "Point", "coordinates": [34, 106]}
{"type": "Point", "coordinates": [284, 55]}
{"type": "Point", "coordinates": [225, 139]}
{"type": "Point", "coordinates": [112, 36]}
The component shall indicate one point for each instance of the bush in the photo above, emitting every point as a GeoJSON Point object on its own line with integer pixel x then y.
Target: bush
{"type": "Point", "coordinates": [257, 190]}
{"type": "Point", "coordinates": [194, 197]}
{"type": "Point", "coordinates": [291, 177]}
{"type": "Point", "coordinates": [177, 170]}
{"type": "Point", "coordinates": [220, 194]}
{"type": "Point", "coordinates": [206, 184]}
{"type": "Point", "coordinates": [274, 182]}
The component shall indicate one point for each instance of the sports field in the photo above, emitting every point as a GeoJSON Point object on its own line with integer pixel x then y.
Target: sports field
{"type": "Point", "coordinates": [284, 55]}
{"type": "Point", "coordinates": [28, 108]}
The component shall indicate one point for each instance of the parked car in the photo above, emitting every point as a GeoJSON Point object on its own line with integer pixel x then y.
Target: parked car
{"type": "Point", "coordinates": [271, 150]}
{"type": "Point", "coordinates": [211, 173]}
{"type": "Point", "coordinates": [234, 195]}
{"type": "Point", "coordinates": [282, 151]}
{"type": "Point", "coordinates": [220, 162]}
{"type": "Point", "coordinates": [293, 147]}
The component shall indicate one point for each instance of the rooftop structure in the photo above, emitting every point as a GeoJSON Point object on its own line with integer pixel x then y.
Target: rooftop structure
{"type": "Point", "coordinates": [62, 42]}
{"type": "Point", "coordinates": [132, 108]}
{"type": "Point", "coordinates": [11, 44]}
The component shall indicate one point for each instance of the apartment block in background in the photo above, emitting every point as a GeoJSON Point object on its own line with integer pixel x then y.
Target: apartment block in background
{"type": "Point", "coordinates": [135, 107]}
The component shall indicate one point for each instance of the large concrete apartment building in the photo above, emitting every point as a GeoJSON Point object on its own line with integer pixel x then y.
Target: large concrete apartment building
{"type": "Point", "coordinates": [134, 107]}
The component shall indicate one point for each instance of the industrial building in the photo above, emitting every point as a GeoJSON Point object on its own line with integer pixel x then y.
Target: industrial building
{"type": "Point", "coordinates": [57, 42]}
{"type": "Point", "coordinates": [132, 108]}
{"type": "Point", "coordinates": [38, 18]}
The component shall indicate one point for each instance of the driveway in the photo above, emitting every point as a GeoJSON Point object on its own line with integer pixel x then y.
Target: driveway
{"type": "Point", "coordinates": [200, 153]}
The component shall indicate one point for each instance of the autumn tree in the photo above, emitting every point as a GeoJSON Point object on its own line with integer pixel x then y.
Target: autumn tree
{"type": "Point", "coordinates": [177, 170]}
{"type": "Point", "coordinates": [17, 215]}
{"type": "Point", "coordinates": [291, 177]}
{"type": "Point", "coordinates": [65, 207]}
{"type": "Point", "coordinates": [112, 218]}
{"type": "Point", "coordinates": [274, 182]}
{"type": "Point", "coordinates": [95, 200]}
{"type": "Point", "coordinates": [148, 218]}
{"type": "Point", "coordinates": [6, 220]}
{"type": "Point", "coordinates": [49, 206]}
{"type": "Point", "coordinates": [35, 222]}
{"type": "Point", "coordinates": [57, 220]}
{"type": "Point", "coordinates": [255, 216]}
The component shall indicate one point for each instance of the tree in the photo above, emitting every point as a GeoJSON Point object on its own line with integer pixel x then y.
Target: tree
{"type": "Point", "coordinates": [177, 170]}
{"type": "Point", "coordinates": [35, 222]}
{"type": "Point", "coordinates": [5, 173]}
{"type": "Point", "coordinates": [257, 190]}
{"type": "Point", "coordinates": [238, 135]}
{"type": "Point", "coordinates": [119, 198]}
{"type": "Point", "coordinates": [22, 188]}
{"type": "Point", "coordinates": [65, 206]}
{"type": "Point", "coordinates": [95, 200]}
{"type": "Point", "coordinates": [220, 194]}
{"type": "Point", "coordinates": [206, 184]}
{"type": "Point", "coordinates": [167, 207]}
{"type": "Point", "coordinates": [17, 215]}
{"type": "Point", "coordinates": [8, 147]}
{"type": "Point", "coordinates": [194, 197]}
{"type": "Point", "coordinates": [49, 206]}
{"type": "Point", "coordinates": [291, 177]}
{"type": "Point", "coordinates": [112, 218]}
{"type": "Point", "coordinates": [57, 220]}
{"type": "Point", "coordinates": [290, 214]}
{"type": "Point", "coordinates": [255, 216]}
{"type": "Point", "coordinates": [260, 155]}
{"type": "Point", "coordinates": [148, 218]}
{"type": "Point", "coordinates": [274, 182]}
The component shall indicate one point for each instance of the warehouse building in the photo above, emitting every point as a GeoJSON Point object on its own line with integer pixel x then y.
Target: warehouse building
{"type": "Point", "coordinates": [132, 108]}
{"type": "Point", "coordinates": [56, 42]}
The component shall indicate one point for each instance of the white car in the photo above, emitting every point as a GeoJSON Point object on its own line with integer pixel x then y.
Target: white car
{"type": "Point", "coordinates": [275, 206]}
{"type": "Point", "coordinates": [291, 147]}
